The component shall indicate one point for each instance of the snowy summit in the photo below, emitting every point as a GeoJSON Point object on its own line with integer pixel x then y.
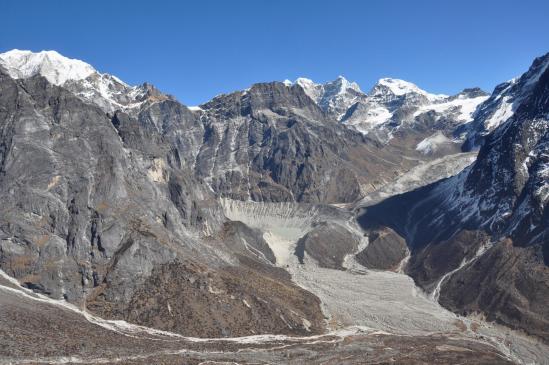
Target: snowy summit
{"type": "Point", "coordinates": [102, 89]}
{"type": "Point", "coordinates": [50, 64]}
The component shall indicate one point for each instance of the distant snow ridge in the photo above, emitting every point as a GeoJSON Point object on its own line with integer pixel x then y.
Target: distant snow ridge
{"type": "Point", "coordinates": [104, 90]}
{"type": "Point", "coordinates": [464, 106]}
{"type": "Point", "coordinates": [50, 64]}
{"type": "Point", "coordinates": [390, 103]}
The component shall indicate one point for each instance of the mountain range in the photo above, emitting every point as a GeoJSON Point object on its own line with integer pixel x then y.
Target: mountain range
{"type": "Point", "coordinates": [293, 209]}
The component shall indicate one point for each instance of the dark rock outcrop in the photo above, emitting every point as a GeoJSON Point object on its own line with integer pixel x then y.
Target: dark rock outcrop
{"type": "Point", "coordinates": [385, 250]}
{"type": "Point", "coordinates": [328, 244]}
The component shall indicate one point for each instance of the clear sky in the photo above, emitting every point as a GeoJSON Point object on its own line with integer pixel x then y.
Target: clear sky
{"type": "Point", "coordinates": [198, 49]}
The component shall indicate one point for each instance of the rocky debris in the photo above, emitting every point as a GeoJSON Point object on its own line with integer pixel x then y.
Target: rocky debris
{"type": "Point", "coordinates": [247, 241]}
{"type": "Point", "coordinates": [228, 302]}
{"type": "Point", "coordinates": [66, 336]}
{"type": "Point", "coordinates": [421, 175]}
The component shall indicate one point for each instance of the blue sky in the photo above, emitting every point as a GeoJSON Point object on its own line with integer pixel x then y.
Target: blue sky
{"type": "Point", "coordinates": [197, 49]}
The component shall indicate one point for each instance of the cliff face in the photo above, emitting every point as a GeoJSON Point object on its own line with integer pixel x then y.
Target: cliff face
{"type": "Point", "coordinates": [273, 143]}
{"type": "Point", "coordinates": [480, 240]}
{"type": "Point", "coordinates": [103, 209]}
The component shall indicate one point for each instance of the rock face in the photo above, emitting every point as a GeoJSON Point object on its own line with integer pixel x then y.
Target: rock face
{"type": "Point", "coordinates": [292, 142]}
{"type": "Point", "coordinates": [99, 207]}
{"type": "Point", "coordinates": [479, 240]}
{"type": "Point", "coordinates": [273, 143]}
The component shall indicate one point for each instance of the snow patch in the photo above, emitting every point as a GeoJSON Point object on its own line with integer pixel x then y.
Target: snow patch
{"type": "Point", "coordinates": [374, 117]}
{"type": "Point", "coordinates": [464, 106]}
{"type": "Point", "coordinates": [501, 114]}
{"type": "Point", "coordinates": [431, 143]}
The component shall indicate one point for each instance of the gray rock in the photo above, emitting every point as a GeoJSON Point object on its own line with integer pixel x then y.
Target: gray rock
{"type": "Point", "coordinates": [327, 243]}
{"type": "Point", "coordinates": [98, 207]}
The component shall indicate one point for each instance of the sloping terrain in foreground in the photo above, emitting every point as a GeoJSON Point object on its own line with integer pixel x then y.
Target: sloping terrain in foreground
{"type": "Point", "coordinates": [68, 336]}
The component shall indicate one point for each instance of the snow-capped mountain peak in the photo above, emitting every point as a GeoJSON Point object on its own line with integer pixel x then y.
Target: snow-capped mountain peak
{"type": "Point", "coordinates": [503, 103]}
{"type": "Point", "coordinates": [342, 85]}
{"type": "Point", "coordinates": [102, 89]}
{"type": "Point", "coordinates": [334, 97]}
{"type": "Point", "coordinates": [390, 104]}
{"type": "Point", "coordinates": [399, 88]}
{"type": "Point", "coordinates": [303, 81]}
{"type": "Point", "coordinates": [50, 64]}
{"type": "Point", "coordinates": [394, 104]}
{"type": "Point", "coordinates": [312, 89]}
